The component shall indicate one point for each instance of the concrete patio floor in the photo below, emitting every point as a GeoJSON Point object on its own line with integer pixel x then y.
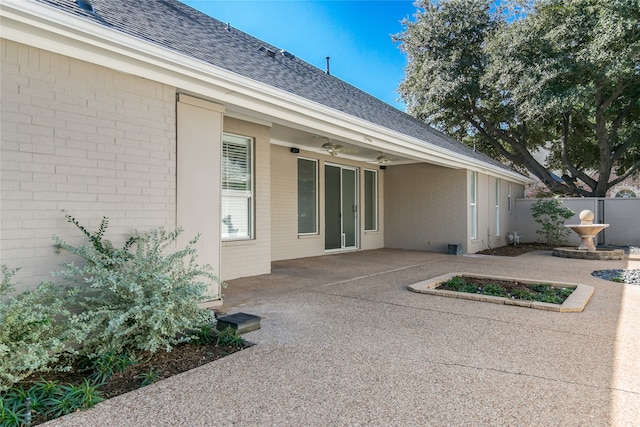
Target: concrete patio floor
{"type": "Point", "coordinates": [343, 342]}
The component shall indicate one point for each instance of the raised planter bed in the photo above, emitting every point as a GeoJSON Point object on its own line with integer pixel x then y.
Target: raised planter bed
{"type": "Point", "coordinates": [576, 302]}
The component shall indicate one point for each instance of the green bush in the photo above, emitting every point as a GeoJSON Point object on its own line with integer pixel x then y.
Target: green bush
{"type": "Point", "coordinates": [550, 214]}
{"type": "Point", "coordinates": [34, 330]}
{"type": "Point", "coordinates": [141, 297]}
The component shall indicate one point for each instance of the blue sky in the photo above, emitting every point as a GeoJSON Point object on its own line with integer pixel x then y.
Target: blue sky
{"type": "Point", "coordinates": [355, 34]}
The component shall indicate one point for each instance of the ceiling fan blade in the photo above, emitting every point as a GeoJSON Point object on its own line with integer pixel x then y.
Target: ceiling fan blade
{"type": "Point", "coordinates": [349, 151]}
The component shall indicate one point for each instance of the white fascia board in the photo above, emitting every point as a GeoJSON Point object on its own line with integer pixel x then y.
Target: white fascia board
{"type": "Point", "coordinates": [44, 27]}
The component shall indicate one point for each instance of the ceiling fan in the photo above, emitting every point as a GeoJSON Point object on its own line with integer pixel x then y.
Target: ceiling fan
{"type": "Point", "coordinates": [382, 159]}
{"type": "Point", "coordinates": [333, 148]}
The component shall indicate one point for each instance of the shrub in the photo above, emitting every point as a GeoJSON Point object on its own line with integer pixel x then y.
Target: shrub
{"type": "Point", "coordinates": [550, 214]}
{"type": "Point", "coordinates": [141, 297]}
{"type": "Point", "coordinates": [34, 330]}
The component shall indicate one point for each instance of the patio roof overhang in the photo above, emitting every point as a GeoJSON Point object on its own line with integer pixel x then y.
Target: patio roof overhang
{"type": "Point", "coordinates": [48, 28]}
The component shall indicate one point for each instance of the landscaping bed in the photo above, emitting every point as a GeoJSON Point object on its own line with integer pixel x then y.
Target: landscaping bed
{"type": "Point", "coordinates": [118, 378]}
{"type": "Point", "coordinates": [542, 292]}
{"type": "Point", "coordinates": [511, 250]}
{"type": "Point", "coordinates": [499, 290]}
{"type": "Point", "coordinates": [105, 328]}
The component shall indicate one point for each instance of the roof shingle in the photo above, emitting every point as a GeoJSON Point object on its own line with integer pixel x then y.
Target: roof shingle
{"type": "Point", "coordinates": [183, 29]}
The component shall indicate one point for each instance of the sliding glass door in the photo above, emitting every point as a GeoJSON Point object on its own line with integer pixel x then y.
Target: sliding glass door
{"type": "Point", "coordinates": [341, 207]}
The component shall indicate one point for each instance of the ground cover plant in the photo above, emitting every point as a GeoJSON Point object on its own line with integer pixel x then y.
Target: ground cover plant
{"type": "Point", "coordinates": [123, 318]}
{"type": "Point", "coordinates": [541, 292]}
{"type": "Point", "coordinates": [53, 394]}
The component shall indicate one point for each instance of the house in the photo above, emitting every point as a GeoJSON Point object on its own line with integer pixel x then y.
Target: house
{"type": "Point", "coordinates": [154, 114]}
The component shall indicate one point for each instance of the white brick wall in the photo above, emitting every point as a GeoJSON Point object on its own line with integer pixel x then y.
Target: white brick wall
{"type": "Point", "coordinates": [425, 207]}
{"type": "Point", "coordinates": [83, 138]}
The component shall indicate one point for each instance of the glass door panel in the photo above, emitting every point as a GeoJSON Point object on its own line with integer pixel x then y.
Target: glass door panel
{"type": "Point", "coordinates": [341, 207]}
{"type": "Point", "coordinates": [349, 208]}
{"type": "Point", "coordinates": [332, 208]}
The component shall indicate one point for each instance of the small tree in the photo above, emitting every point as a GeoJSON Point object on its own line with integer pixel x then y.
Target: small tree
{"type": "Point", "coordinates": [550, 214]}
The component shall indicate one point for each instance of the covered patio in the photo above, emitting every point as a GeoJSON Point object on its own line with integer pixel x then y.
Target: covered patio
{"type": "Point", "coordinates": [343, 342]}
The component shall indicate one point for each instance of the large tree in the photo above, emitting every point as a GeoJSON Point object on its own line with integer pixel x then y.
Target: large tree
{"type": "Point", "coordinates": [561, 77]}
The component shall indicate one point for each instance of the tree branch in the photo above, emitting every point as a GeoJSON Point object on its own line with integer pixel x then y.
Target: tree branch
{"type": "Point", "coordinates": [617, 122]}
{"type": "Point", "coordinates": [625, 175]}
{"type": "Point", "coordinates": [573, 169]}
{"type": "Point", "coordinates": [622, 148]}
{"type": "Point", "coordinates": [620, 87]}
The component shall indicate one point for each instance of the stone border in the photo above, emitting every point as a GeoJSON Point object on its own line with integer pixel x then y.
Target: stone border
{"type": "Point", "coordinates": [600, 254]}
{"type": "Point", "coordinates": [576, 302]}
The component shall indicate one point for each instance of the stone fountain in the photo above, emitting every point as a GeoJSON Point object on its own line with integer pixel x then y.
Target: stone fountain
{"type": "Point", "coordinates": [587, 231]}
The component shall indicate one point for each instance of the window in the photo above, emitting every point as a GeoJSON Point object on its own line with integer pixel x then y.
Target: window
{"type": "Point", "coordinates": [370, 200]}
{"type": "Point", "coordinates": [237, 187]}
{"type": "Point", "coordinates": [509, 197]}
{"type": "Point", "coordinates": [307, 196]}
{"type": "Point", "coordinates": [497, 207]}
{"type": "Point", "coordinates": [625, 193]}
{"type": "Point", "coordinates": [473, 190]}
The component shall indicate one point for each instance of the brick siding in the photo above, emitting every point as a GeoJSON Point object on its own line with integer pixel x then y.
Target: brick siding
{"type": "Point", "coordinates": [83, 138]}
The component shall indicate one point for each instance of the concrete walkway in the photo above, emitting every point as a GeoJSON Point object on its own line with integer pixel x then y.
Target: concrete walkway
{"type": "Point", "coordinates": [344, 343]}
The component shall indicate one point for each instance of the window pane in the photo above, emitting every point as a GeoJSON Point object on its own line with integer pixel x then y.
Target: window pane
{"type": "Point", "coordinates": [497, 207]}
{"type": "Point", "coordinates": [307, 196]}
{"type": "Point", "coordinates": [236, 163]}
{"type": "Point", "coordinates": [236, 217]}
{"type": "Point", "coordinates": [474, 223]}
{"type": "Point", "coordinates": [370, 200]}
{"type": "Point", "coordinates": [237, 187]}
{"type": "Point", "coordinates": [472, 189]}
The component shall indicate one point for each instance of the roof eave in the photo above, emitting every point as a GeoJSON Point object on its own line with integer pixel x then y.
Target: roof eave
{"type": "Point", "coordinates": [48, 28]}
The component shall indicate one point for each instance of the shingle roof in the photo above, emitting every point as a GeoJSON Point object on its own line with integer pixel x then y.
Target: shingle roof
{"type": "Point", "coordinates": [181, 28]}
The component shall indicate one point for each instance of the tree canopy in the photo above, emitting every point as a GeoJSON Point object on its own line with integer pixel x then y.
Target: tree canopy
{"type": "Point", "coordinates": [546, 85]}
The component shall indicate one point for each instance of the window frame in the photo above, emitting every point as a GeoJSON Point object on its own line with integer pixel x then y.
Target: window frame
{"type": "Point", "coordinates": [234, 194]}
{"type": "Point", "coordinates": [375, 201]}
{"type": "Point", "coordinates": [625, 193]}
{"type": "Point", "coordinates": [497, 206]}
{"type": "Point", "coordinates": [473, 204]}
{"type": "Point", "coordinates": [317, 193]}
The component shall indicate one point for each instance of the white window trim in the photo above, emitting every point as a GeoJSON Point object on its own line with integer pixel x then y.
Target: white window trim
{"type": "Point", "coordinates": [238, 194]}
{"type": "Point", "coordinates": [509, 200]}
{"type": "Point", "coordinates": [375, 202]}
{"type": "Point", "coordinates": [317, 222]}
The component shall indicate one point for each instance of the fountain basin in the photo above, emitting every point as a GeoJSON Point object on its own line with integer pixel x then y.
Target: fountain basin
{"type": "Point", "coordinates": [598, 254]}
{"type": "Point", "coordinates": [587, 232]}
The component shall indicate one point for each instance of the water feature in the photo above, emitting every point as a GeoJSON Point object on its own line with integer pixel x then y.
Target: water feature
{"type": "Point", "coordinates": [587, 231]}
